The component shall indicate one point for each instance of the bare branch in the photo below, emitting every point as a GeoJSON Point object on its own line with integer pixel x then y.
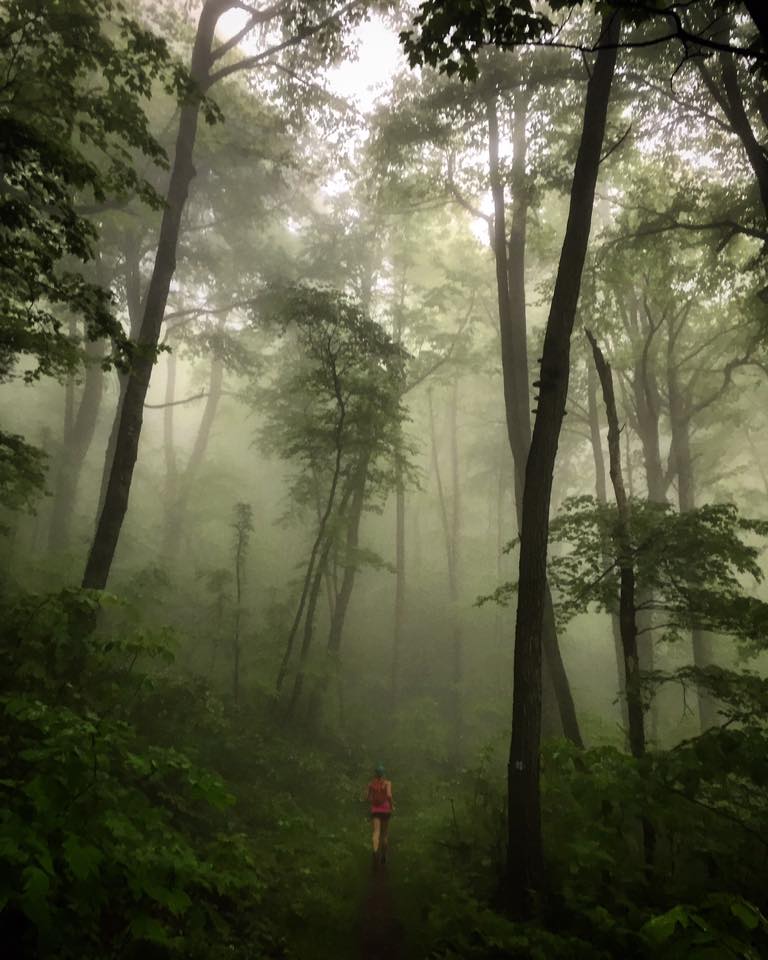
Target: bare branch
{"type": "Point", "coordinates": [248, 63]}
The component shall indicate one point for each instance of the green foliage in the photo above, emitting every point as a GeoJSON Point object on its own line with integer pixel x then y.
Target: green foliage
{"type": "Point", "coordinates": [693, 564]}
{"type": "Point", "coordinates": [116, 835]}
{"type": "Point", "coordinates": [449, 36]}
{"type": "Point", "coordinates": [76, 76]}
{"type": "Point", "coordinates": [702, 896]}
{"type": "Point", "coordinates": [333, 402]}
{"type": "Point", "coordinates": [22, 472]}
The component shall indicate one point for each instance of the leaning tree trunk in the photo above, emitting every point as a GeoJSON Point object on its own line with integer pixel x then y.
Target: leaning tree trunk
{"type": "Point", "coordinates": [510, 286]}
{"type": "Point", "coordinates": [130, 415]}
{"type": "Point", "coordinates": [525, 858]}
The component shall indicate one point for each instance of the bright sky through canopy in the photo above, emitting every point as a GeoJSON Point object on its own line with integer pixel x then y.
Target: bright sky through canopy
{"type": "Point", "coordinates": [360, 80]}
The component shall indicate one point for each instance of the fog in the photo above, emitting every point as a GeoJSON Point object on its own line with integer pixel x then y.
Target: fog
{"type": "Point", "coordinates": [383, 444]}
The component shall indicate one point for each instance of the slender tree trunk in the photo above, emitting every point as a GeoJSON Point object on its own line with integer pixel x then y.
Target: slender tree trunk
{"type": "Point", "coordinates": [236, 634]}
{"type": "Point", "coordinates": [76, 446]}
{"type": "Point", "coordinates": [179, 493]}
{"type": "Point", "coordinates": [341, 605]}
{"type": "Point", "coordinates": [602, 497]}
{"type": "Point", "coordinates": [510, 286]}
{"type": "Point", "coordinates": [623, 546]}
{"type": "Point", "coordinates": [171, 492]}
{"type": "Point", "coordinates": [400, 572]}
{"type": "Point", "coordinates": [627, 583]}
{"type": "Point", "coordinates": [400, 577]}
{"type": "Point", "coordinates": [132, 278]}
{"type": "Point", "coordinates": [130, 415]}
{"type": "Point", "coordinates": [451, 531]}
{"type": "Point", "coordinates": [319, 537]}
{"type": "Point", "coordinates": [680, 423]}
{"type": "Point", "coordinates": [457, 645]}
{"type": "Point", "coordinates": [309, 630]}
{"type": "Point", "coordinates": [647, 402]}
{"type": "Point", "coordinates": [313, 595]}
{"type": "Point", "coordinates": [525, 863]}
{"type": "Point", "coordinates": [500, 539]}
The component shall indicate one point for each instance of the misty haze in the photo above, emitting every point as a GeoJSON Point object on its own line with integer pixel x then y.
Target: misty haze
{"type": "Point", "coordinates": [383, 480]}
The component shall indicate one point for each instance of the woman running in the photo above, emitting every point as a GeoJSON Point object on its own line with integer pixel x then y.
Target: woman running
{"type": "Point", "coordinates": [382, 807]}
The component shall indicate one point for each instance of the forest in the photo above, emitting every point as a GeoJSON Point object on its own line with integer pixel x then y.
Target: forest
{"type": "Point", "coordinates": [383, 479]}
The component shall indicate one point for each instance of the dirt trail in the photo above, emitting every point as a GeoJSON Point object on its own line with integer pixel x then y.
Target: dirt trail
{"type": "Point", "coordinates": [382, 933]}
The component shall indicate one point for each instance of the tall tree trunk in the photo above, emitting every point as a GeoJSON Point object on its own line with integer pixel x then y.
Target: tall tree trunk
{"type": "Point", "coordinates": [510, 286]}
{"type": "Point", "coordinates": [400, 577]}
{"type": "Point", "coordinates": [627, 583]}
{"type": "Point", "coordinates": [450, 519]}
{"type": "Point", "coordinates": [680, 424]}
{"type": "Point", "coordinates": [400, 581]}
{"type": "Point", "coordinates": [602, 497]}
{"type": "Point", "coordinates": [457, 644]}
{"type": "Point", "coordinates": [647, 403]}
{"type": "Point", "coordinates": [623, 548]}
{"type": "Point", "coordinates": [130, 415]}
{"type": "Point", "coordinates": [525, 859]}
{"type": "Point", "coordinates": [77, 443]}
{"type": "Point", "coordinates": [238, 614]}
{"type": "Point", "coordinates": [133, 297]}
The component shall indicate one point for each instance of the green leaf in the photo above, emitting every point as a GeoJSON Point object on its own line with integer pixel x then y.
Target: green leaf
{"type": "Point", "coordinates": [34, 900]}
{"type": "Point", "coordinates": [144, 927]}
{"type": "Point", "coordinates": [746, 913]}
{"type": "Point", "coordinates": [82, 858]}
{"type": "Point", "coordinates": [660, 929]}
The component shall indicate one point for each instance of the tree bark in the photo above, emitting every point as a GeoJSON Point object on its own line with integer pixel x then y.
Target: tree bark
{"type": "Point", "coordinates": [623, 548]}
{"type": "Point", "coordinates": [132, 280]}
{"type": "Point", "coordinates": [130, 414]}
{"type": "Point", "coordinates": [525, 863]}
{"type": "Point", "coordinates": [510, 286]}
{"type": "Point", "coordinates": [627, 584]}
{"type": "Point", "coordinates": [602, 497]}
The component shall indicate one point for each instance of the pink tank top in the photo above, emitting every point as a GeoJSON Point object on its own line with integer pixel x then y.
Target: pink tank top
{"type": "Point", "coordinates": [378, 795]}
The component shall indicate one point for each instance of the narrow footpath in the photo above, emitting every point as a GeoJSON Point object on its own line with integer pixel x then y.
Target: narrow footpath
{"type": "Point", "coordinates": [382, 935]}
